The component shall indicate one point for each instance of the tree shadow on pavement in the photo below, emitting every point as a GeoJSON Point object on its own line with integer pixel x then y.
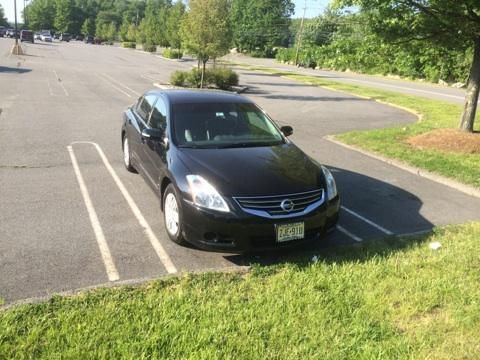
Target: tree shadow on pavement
{"type": "Point", "coordinates": [396, 205]}
{"type": "Point", "coordinates": [18, 70]}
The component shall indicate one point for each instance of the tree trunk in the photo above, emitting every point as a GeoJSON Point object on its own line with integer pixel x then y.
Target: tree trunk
{"type": "Point", "coordinates": [203, 73]}
{"type": "Point", "coordinates": [473, 87]}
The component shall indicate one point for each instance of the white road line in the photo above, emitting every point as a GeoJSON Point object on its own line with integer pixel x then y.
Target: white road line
{"type": "Point", "coordinates": [349, 234]}
{"type": "Point", "coordinates": [382, 229]}
{"type": "Point", "coordinates": [115, 87]}
{"type": "Point", "coordinates": [147, 77]}
{"type": "Point", "coordinates": [122, 85]}
{"type": "Point", "coordinates": [60, 83]}
{"type": "Point", "coordinates": [110, 267]}
{"type": "Point", "coordinates": [378, 84]}
{"type": "Point", "coordinates": [50, 88]}
{"type": "Point", "coordinates": [161, 253]}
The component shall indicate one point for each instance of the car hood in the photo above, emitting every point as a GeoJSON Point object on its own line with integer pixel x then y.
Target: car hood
{"type": "Point", "coordinates": [255, 171]}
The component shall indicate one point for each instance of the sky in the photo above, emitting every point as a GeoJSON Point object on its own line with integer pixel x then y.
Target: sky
{"type": "Point", "coordinates": [314, 8]}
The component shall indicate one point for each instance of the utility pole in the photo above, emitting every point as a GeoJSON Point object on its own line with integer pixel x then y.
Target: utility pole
{"type": "Point", "coordinates": [25, 14]}
{"type": "Point", "coordinates": [16, 27]}
{"type": "Point", "coordinates": [299, 38]}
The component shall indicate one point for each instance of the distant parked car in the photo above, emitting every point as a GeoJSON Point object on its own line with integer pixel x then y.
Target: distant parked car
{"type": "Point", "coordinates": [89, 39]}
{"type": "Point", "coordinates": [37, 36]}
{"type": "Point", "coordinates": [65, 37]}
{"type": "Point", "coordinates": [11, 33]}
{"type": "Point", "coordinates": [56, 36]}
{"type": "Point", "coordinates": [79, 37]}
{"type": "Point", "coordinates": [26, 35]}
{"type": "Point", "coordinates": [2, 31]}
{"type": "Point", "coordinates": [97, 41]}
{"type": "Point", "coordinates": [46, 37]}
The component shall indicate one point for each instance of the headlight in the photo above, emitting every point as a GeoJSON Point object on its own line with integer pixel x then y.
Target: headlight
{"type": "Point", "coordinates": [331, 185]}
{"type": "Point", "coordinates": [205, 195]}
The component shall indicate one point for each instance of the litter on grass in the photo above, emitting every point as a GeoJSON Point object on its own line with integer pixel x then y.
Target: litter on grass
{"type": "Point", "coordinates": [435, 245]}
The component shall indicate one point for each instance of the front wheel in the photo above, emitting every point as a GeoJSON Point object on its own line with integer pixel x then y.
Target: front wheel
{"type": "Point", "coordinates": [172, 215]}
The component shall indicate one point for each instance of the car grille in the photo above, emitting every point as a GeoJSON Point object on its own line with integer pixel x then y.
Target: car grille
{"type": "Point", "coordinates": [280, 206]}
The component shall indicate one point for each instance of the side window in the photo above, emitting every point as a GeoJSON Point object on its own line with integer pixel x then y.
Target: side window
{"type": "Point", "coordinates": [144, 107]}
{"type": "Point", "coordinates": [158, 120]}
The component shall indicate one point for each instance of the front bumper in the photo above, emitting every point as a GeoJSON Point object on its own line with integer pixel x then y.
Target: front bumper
{"type": "Point", "coordinates": [240, 232]}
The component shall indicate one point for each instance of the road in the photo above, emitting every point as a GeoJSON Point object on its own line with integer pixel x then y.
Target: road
{"type": "Point", "coordinates": [416, 88]}
{"type": "Point", "coordinates": [61, 99]}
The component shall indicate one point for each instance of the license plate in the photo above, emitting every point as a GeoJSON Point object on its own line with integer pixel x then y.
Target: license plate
{"type": "Point", "coordinates": [288, 232]}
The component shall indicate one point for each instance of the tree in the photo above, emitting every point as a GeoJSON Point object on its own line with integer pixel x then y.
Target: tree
{"type": "Point", "coordinates": [205, 30]}
{"type": "Point", "coordinates": [3, 19]}
{"type": "Point", "coordinates": [260, 24]}
{"type": "Point", "coordinates": [64, 15]}
{"type": "Point", "coordinates": [174, 19]}
{"type": "Point", "coordinates": [88, 27]}
{"type": "Point", "coordinates": [41, 14]}
{"type": "Point", "coordinates": [453, 24]}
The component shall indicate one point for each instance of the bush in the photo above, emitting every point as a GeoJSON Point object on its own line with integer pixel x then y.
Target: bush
{"type": "Point", "coordinates": [149, 47]}
{"type": "Point", "coordinates": [221, 78]}
{"type": "Point", "coordinates": [129, 45]}
{"type": "Point", "coordinates": [178, 78]}
{"type": "Point", "coordinates": [172, 53]}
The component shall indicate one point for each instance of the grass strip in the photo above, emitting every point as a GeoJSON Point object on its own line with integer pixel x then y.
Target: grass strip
{"type": "Point", "coordinates": [390, 142]}
{"type": "Point", "coordinates": [394, 298]}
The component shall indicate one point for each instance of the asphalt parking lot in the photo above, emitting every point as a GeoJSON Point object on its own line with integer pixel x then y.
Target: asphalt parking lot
{"type": "Point", "coordinates": [61, 162]}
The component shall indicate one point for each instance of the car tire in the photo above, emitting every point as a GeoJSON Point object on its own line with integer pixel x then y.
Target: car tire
{"type": "Point", "coordinates": [127, 155]}
{"type": "Point", "coordinates": [172, 215]}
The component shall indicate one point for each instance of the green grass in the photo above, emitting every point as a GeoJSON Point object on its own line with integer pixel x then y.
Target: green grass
{"type": "Point", "coordinates": [390, 299]}
{"type": "Point", "coordinates": [391, 142]}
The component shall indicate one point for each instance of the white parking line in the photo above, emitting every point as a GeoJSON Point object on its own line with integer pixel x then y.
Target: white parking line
{"type": "Point", "coordinates": [121, 84]}
{"type": "Point", "coordinates": [147, 77]}
{"type": "Point", "coordinates": [382, 229]}
{"type": "Point", "coordinates": [112, 85]}
{"type": "Point", "coordinates": [110, 267]}
{"type": "Point", "coordinates": [60, 83]}
{"type": "Point", "coordinates": [161, 253]}
{"type": "Point", "coordinates": [349, 234]}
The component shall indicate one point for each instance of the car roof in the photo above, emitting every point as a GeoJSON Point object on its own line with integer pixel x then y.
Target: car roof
{"type": "Point", "coordinates": [189, 96]}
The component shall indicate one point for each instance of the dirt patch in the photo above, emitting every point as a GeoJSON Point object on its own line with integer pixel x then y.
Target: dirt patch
{"type": "Point", "coordinates": [450, 140]}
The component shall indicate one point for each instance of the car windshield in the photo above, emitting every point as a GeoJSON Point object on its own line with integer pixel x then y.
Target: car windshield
{"type": "Point", "coordinates": [222, 125]}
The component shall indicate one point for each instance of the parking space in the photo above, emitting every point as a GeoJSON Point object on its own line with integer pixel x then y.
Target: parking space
{"type": "Point", "coordinates": [72, 217]}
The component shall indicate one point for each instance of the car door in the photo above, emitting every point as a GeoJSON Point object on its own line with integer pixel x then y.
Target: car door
{"type": "Point", "coordinates": [141, 113]}
{"type": "Point", "coordinates": [156, 149]}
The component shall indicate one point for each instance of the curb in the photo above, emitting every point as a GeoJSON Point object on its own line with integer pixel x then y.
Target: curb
{"type": "Point", "coordinates": [118, 284]}
{"type": "Point", "coordinates": [163, 86]}
{"type": "Point", "coordinates": [466, 189]}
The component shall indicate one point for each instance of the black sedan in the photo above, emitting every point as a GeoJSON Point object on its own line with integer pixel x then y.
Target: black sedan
{"type": "Point", "coordinates": [227, 176]}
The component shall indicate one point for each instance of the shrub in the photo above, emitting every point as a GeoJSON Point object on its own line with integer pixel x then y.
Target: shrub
{"type": "Point", "coordinates": [149, 47]}
{"type": "Point", "coordinates": [221, 78]}
{"type": "Point", "coordinates": [172, 53]}
{"type": "Point", "coordinates": [129, 45]}
{"type": "Point", "coordinates": [178, 78]}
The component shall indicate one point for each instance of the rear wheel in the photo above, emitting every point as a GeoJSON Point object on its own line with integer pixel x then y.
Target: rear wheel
{"type": "Point", "coordinates": [127, 158]}
{"type": "Point", "coordinates": [172, 215]}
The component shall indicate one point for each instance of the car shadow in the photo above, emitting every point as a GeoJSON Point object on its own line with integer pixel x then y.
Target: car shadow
{"type": "Point", "coordinates": [18, 70]}
{"type": "Point", "coordinates": [397, 206]}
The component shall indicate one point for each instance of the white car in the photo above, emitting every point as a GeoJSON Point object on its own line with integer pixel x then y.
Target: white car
{"type": "Point", "coordinates": [46, 37]}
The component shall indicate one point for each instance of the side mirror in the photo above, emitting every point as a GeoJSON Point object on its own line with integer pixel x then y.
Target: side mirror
{"type": "Point", "coordinates": [153, 134]}
{"type": "Point", "coordinates": [286, 130]}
